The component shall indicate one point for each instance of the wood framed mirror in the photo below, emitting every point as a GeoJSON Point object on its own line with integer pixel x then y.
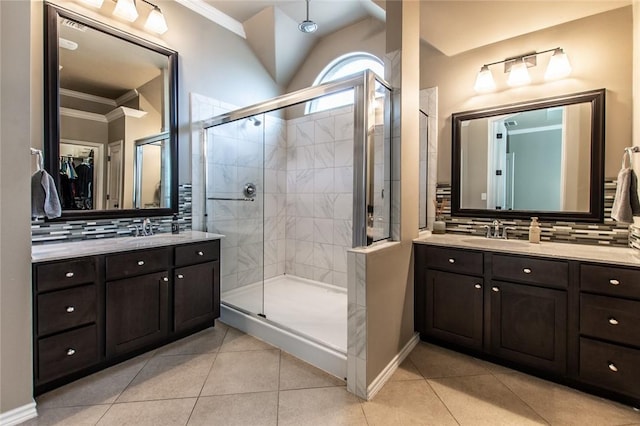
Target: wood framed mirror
{"type": "Point", "coordinates": [107, 93]}
{"type": "Point", "coordinates": [541, 158]}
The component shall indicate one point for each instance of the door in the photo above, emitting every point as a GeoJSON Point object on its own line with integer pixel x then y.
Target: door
{"type": "Point", "coordinates": [114, 176]}
{"type": "Point", "coordinates": [454, 308]}
{"type": "Point", "coordinates": [195, 298]}
{"type": "Point", "coordinates": [529, 325]}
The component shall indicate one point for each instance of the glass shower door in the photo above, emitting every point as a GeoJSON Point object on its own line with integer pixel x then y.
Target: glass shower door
{"type": "Point", "coordinates": [235, 208]}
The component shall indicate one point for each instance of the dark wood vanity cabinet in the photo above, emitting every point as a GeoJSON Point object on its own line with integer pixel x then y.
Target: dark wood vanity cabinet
{"type": "Point", "coordinates": [94, 311]}
{"type": "Point", "coordinates": [573, 321]}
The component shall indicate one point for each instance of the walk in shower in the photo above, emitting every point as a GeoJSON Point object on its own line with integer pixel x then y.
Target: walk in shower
{"type": "Point", "coordinates": [293, 183]}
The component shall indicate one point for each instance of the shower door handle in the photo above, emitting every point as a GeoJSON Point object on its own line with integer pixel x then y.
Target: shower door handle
{"type": "Point", "coordinates": [230, 199]}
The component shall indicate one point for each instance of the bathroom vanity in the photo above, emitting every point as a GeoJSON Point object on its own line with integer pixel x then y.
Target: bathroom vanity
{"type": "Point", "coordinates": [569, 313]}
{"type": "Point", "coordinates": [98, 302]}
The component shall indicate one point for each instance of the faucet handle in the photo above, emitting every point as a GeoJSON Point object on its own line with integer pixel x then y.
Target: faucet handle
{"type": "Point", "coordinates": [507, 228]}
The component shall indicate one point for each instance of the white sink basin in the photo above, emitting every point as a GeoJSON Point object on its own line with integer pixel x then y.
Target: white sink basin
{"type": "Point", "coordinates": [495, 243]}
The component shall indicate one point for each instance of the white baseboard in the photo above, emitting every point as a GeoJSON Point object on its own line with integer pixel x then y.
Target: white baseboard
{"type": "Point", "coordinates": [18, 415]}
{"type": "Point", "coordinates": [393, 365]}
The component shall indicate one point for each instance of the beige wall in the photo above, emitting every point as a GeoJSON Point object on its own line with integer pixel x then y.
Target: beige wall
{"type": "Point", "coordinates": [599, 48]}
{"type": "Point", "coordinates": [18, 101]}
{"type": "Point", "coordinates": [80, 129]}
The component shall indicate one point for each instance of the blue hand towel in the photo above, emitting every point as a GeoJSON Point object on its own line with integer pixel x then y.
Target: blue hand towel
{"type": "Point", "coordinates": [44, 196]}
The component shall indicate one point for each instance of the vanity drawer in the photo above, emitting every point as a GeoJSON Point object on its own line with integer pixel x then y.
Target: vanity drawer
{"type": "Point", "coordinates": [57, 275]}
{"type": "Point", "coordinates": [610, 280]}
{"type": "Point", "coordinates": [64, 353]}
{"type": "Point", "coordinates": [610, 318]}
{"type": "Point", "coordinates": [197, 253]}
{"type": "Point", "coordinates": [64, 309]}
{"type": "Point", "coordinates": [137, 263]}
{"type": "Point", "coordinates": [454, 260]}
{"type": "Point", "coordinates": [551, 273]}
{"type": "Point", "coordinates": [613, 367]}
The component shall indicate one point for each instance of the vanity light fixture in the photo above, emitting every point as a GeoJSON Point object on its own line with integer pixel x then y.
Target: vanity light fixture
{"type": "Point", "coordinates": [94, 3]}
{"type": "Point", "coordinates": [517, 67]}
{"type": "Point", "coordinates": [127, 10]}
{"type": "Point", "coordinates": [156, 22]}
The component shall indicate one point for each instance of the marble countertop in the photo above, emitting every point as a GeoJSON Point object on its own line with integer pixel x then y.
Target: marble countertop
{"type": "Point", "coordinates": [591, 253]}
{"type": "Point", "coordinates": [60, 251]}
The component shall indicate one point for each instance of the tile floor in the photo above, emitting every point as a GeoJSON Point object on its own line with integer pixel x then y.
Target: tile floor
{"type": "Point", "coordinates": [221, 376]}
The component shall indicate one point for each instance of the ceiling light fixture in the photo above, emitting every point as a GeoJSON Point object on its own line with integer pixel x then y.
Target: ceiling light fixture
{"type": "Point", "coordinates": [517, 67]}
{"type": "Point", "coordinates": [307, 26]}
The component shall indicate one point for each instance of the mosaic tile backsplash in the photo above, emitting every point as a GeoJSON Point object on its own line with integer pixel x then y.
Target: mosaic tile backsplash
{"type": "Point", "coordinates": [608, 233]}
{"type": "Point", "coordinates": [43, 232]}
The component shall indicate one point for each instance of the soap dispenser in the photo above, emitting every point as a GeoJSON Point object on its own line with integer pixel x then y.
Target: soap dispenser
{"type": "Point", "coordinates": [534, 231]}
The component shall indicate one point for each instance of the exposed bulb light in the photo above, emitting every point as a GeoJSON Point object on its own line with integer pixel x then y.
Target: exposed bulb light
{"type": "Point", "coordinates": [307, 26]}
{"type": "Point", "coordinates": [519, 74]}
{"type": "Point", "coordinates": [126, 9]}
{"type": "Point", "coordinates": [484, 80]}
{"type": "Point", "coordinates": [156, 22]}
{"type": "Point", "coordinates": [559, 66]}
{"type": "Point", "coordinates": [94, 3]}
{"type": "Point", "coordinates": [67, 44]}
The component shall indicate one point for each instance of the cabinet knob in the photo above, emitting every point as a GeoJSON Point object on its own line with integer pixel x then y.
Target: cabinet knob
{"type": "Point", "coordinates": [200, 253]}
{"type": "Point", "coordinates": [71, 352]}
{"type": "Point", "coordinates": [70, 309]}
{"type": "Point", "coordinates": [613, 367]}
{"type": "Point", "coordinates": [69, 274]}
{"type": "Point", "coordinates": [165, 279]}
{"type": "Point", "coordinates": [478, 286]}
{"type": "Point", "coordinates": [614, 282]}
{"type": "Point", "coordinates": [452, 260]}
{"type": "Point", "coordinates": [180, 276]}
{"type": "Point", "coordinates": [613, 321]}
{"type": "Point", "coordinates": [140, 262]}
{"type": "Point", "coordinates": [526, 270]}
{"type": "Point", "coordinates": [496, 289]}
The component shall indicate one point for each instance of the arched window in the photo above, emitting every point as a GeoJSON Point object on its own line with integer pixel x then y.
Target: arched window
{"type": "Point", "coordinates": [341, 67]}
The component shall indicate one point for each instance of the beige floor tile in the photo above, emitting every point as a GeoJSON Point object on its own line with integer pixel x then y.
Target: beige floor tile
{"type": "Point", "coordinates": [203, 342]}
{"type": "Point", "coordinates": [169, 412]}
{"type": "Point", "coordinates": [406, 371]}
{"type": "Point", "coordinates": [103, 387]}
{"type": "Point", "coordinates": [409, 402]}
{"type": "Point", "coordinates": [433, 361]}
{"type": "Point", "coordinates": [494, 368]}
{"type": "Point", "coordinates": [483, 400]}
{"type": "Point", "coordinates": [561, 405]}
{"type": "Point", "coordinates": [243, 372]}
{"type": "Point", "coordinates": [255, 409]}
{"type": "Point", "coordinates": [236, 340]}
{"type": "Point", "coordinates": [297, 374]}
{"type": "Point", "coordinates": [77, 416]}
{"type": "Point", "coordinates": [322, 406]}
{"type": "Point", "coordinates": [166, 377]}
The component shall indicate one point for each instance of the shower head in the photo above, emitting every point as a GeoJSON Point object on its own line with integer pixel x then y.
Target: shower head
{"type": "Point", "coordinates": [256, 122]}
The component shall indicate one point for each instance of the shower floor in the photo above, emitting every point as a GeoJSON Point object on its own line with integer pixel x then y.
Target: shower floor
{"type": "Point", "coordinates": [313, 309]}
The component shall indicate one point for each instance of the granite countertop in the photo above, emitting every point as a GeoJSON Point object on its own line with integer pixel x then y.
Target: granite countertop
{"type": "Point", "coordinates": [69, 250]}
{"type": "Point", "coordinates": [615, 255]}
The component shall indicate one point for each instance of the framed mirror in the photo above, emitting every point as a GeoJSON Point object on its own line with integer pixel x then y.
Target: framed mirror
{"type": "Point", "coordinates": [110, 119]}
{"type": "Point", "coordinates": [542, 158]}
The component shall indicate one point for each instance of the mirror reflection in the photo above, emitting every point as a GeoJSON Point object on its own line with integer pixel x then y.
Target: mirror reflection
{"type": "Point", "coordinates": [116, 118]}
{"type": "Point", "coordinates": [543, 157]}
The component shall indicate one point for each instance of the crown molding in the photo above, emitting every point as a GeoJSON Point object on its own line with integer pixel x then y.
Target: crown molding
{"type": "Point", "coordinates": [214, 15]}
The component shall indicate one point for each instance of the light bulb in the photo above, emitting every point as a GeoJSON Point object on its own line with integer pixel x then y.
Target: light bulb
{"type": "Point", "coordinates": [559, 66]}
{"type": "Point", "coordinates": [126, 9]}
{"type": "Point", "coordinates": [519, 74]}
{"type": "Point", "coordinates": [484, 80]}
{"type": "Point", "coordinates": [156, 22]}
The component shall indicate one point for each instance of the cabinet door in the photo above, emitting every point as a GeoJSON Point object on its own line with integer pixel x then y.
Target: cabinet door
{"type": "Point", "coordinates": [529, 325]}
{"type": "Point", "coordinates": [137, 312]}
{"type": "Point", "coordinates": [196, 295]}
{"type": "Point", "coordinates": [454, 308]}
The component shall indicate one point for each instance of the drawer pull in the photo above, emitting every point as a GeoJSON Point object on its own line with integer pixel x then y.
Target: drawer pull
{"type": "Point", "coordinates": [452, 260]}
{"type": "Point", "coordinates": [613, 367]}
{"type": "Point", "coordinates": [70, 309]}
{"type": "Point", "coordinates": [69, 274]}
{"type": "Point", "coordinates": [71, 352]}
{"type": "Point", "coordinates": [140, 262]}
{"type": "Point", "coordinates": [496, 289]}
{"type": "Point", "coordinates": [526, 270]}
{"type": "Point", "coordinates": [200, 253]}
{"type": "Point", "coordinates": [614, 282]}
{"type": "Point", "coordinates": [180, 276]}
{"type": "Point", "coordinates": [478, 286]}
{"type": "Point", "coordinates": [613, 321]}
{"type": "Point", "coordinates": [165, 279]}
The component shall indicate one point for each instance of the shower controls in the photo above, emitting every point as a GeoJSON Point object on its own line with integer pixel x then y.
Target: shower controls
{"type": "Point", "coordinates": [249, 190]}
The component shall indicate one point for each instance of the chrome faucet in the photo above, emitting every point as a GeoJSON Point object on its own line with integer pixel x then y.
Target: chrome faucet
{"type": "Point", "coordinates": [497, 230]}
{"type": "Point", "coordinates": [147, 228]}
